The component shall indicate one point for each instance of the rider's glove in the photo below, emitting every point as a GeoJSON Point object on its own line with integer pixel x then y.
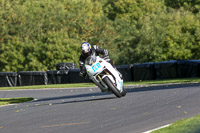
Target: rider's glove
{"type": "Point", "coordinates": [106, 58]}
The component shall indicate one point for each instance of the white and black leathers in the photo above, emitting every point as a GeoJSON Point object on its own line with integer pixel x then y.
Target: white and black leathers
{"type": "Point", "coordinates": [95, 50]}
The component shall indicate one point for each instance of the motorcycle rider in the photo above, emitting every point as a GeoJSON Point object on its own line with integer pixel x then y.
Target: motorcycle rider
{"type": "Point", "coordinates": [88, 50]}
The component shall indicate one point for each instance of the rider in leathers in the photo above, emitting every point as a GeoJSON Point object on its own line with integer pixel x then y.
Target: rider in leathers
{"type": "Point", "coordinates": [88, 50]}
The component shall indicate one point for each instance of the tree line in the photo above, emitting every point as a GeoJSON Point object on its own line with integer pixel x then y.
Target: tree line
{"type": "Point", "coordinates": [36, 35]}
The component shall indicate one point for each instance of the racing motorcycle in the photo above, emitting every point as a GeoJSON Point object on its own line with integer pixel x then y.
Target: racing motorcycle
{"type": "Point", "coordinates": [104, 75]}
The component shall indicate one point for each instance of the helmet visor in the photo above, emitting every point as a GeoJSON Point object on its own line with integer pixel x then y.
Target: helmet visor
{"type": "Point", "coordinates": [85, 51]}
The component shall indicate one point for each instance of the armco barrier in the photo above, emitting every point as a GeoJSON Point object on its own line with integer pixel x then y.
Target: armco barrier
{"type": "Point", "coordinates": [166, 70]}
{"type": "Point", "coordinates": [8, 79]}
{"type": "Point", "coordinates": [32, 78]}
{"type": "Point", "coordinates": [143, 71]}
{"type": "Point", "coordinates": [58, 77]}
{"type": "Point", "coordinates": [188, 68]}
{"type": "Point", "coordinates": [75, 78]}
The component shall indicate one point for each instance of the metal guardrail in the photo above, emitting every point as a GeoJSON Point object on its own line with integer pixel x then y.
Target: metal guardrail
{"type": "Point", "coordinates": [133, 72]}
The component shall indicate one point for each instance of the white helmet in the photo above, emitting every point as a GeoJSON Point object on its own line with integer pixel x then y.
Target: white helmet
{"type": "Point", "coordinates": [86, 48]}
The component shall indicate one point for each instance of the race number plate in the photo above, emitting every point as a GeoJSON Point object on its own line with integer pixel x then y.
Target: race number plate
{"type": "Point", "coordinates": [96, 66]}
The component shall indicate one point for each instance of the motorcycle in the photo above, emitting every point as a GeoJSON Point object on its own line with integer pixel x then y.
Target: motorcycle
{"type": "Point", "coordinates": [104, 75]}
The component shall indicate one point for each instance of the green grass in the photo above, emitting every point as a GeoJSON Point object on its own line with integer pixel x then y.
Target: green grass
{"type": "Point", "coordinates": [49, 86]}
{"type": "Point", "coordinates": [185, 80]}
{"type": "Point", "coordinates": [6, 101]}
{"type": "Point", "coordinates": [190, 125]}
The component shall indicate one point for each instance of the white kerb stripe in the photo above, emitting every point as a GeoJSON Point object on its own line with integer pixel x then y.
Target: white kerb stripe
{"type": "Point", "coordinates": [157, 128]}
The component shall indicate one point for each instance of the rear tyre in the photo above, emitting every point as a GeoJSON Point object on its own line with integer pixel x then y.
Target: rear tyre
{"type": "Point", "coordinates": [110, 85]}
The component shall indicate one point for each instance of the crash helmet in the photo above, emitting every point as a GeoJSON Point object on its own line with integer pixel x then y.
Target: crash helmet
{"type": "Point", "coordinates": [86, 49]}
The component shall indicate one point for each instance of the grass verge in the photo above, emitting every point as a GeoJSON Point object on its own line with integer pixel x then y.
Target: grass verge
{"type": "Point", "coordinates": [190, 125]}
{"type": "Point", "coordinates": [49, 86]}
{"type": "Point", "coordinates": [6, 101]}
{"type": "Point", "coordinates": [185, 80]}
{"type": "Point", "coordinates": [74, 85]}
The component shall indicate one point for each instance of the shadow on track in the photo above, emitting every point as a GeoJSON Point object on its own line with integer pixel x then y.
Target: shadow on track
{"type": "Point", "coordinates": [73, 96]}
{"type": "Point", "coordinates": [87, 100]}
{"type": "Point", "coordinates": [70, 101]}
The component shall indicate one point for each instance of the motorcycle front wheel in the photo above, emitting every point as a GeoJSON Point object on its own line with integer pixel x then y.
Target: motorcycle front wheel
{"type": "Point", "coordinates": [110, 85]}
{"type": "Point", "coordinates": [123, 92]}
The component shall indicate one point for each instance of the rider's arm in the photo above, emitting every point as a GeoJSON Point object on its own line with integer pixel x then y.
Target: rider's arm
{"type": "Point", "coordinates": [99, 50]}
{"type": "Point", "coordinates": [104, 52]}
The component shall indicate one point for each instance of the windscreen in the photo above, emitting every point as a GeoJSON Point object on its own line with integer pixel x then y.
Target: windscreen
{"type": "Point", "coordinates": [90, 60]}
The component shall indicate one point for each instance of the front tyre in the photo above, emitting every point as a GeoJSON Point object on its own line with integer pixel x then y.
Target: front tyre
{"type": "Point", "coordinates": [110, 85]}
{"type": "Point", "coordinates": [123, 92]}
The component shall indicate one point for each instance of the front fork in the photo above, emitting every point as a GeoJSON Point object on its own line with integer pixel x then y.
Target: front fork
{"type": "Point", "coordinates": [100, 78]}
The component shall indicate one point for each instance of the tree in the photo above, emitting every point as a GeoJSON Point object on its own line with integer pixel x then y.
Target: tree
{"type": "Point", "coordinates": [191, 5]}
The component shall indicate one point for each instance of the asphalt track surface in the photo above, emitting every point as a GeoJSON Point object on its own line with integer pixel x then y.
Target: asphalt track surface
{"type": "Point", "coordinates": [87, 110]}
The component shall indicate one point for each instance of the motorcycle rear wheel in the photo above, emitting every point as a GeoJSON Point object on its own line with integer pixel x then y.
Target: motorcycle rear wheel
{"type": "Point", "coordinates": [110, 85]}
